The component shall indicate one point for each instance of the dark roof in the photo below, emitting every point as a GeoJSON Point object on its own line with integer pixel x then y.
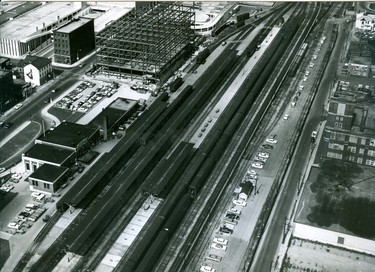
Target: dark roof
{"type": "Point", "coordinates": [49, 153]}
{"type": "Point", "coordinates": [4, 73]}
{"type": "Point", "coordinates": [247, 187]}
{"type": "Point", "coordinates": [68, 134]}
{"type": "Point", "coordinates": [48, 172]}
{"type": "Point", "coordinates": [38, 62]}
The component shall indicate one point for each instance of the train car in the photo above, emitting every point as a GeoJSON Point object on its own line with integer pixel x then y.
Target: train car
{"type": "Point", "coordinates": [175, 84]}
{"type": "Point", "coordinates": [242, 17]}
{"type": "Point", "coordinates": [176, 166]}
{"type": "Point", "coordinates": [154, 252]}
{"type": "Point", "coordinates": [202, 56]}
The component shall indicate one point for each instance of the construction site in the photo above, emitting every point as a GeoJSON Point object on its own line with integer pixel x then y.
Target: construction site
{"type": "Point", "coordinates": [149, 41]}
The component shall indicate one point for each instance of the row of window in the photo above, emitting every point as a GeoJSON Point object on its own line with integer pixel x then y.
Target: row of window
{"type": "Point", "coordinates": [62, 52]}
{"type": "Point", "coordinates": [351, 149]}
{"type": "Point", "coordinates": [352, 139]}
{"type": "Point", "coordinates": [351, 158]}
{"type": "Point", "coordinates": [36, 183]}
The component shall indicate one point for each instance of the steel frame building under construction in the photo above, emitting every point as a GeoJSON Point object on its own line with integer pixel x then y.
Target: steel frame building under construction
{"type": "Point", "coordinates": [146, 41]}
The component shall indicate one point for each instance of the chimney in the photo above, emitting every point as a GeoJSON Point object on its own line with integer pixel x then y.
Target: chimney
{"type": "Point", "coordinates": [105, 128]}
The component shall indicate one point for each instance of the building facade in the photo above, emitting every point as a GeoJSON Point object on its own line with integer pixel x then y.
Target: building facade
{"type": "Point", "coordinates": [48, 178]}
{"type": "Point", "coordinates": [31, 31]}
{"type": "Point", "coordinates": [41, 154]}
{"type": "Point", "coordinates": [6, 90]}
{"type": "Point", "coordinates": [74, 41]}
{"type": "Point", "coordinates": [349, 133]}
{"type": "Point", "coordinates": [37, 70]}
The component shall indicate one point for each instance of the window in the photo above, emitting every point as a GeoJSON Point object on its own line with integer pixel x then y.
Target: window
{"type": "Point", "coordinates": [353, 139]}
{"type": "Point", "coordinates": [334, 155]}
{"type": "Point", "coordinates": [352, 149]}
{"type": "Point", "coordinates": [340, 125]}
{"type": "Point", "coordinates": [341, 119]}
{"type": "Point", "coordinates": [46, 185]}
{"type": "Point", "coordinates": [340, 240]}
{"type": "Point", "coordinates": [27, 165]}
{"type": "Point", "coordinates": [371, 153]}
{"type": "Point", "coordinates": [337, 118]}
{"type": "Point", "coordinates": [363, 141]}
{"type": "Point", "coordinates": [351, 158]}
{"type": "Point", "coordinates": [35, 183]}
{"type": "Point", "coordinates": [372, 142]}
{"type": "Point", "coordinates": [370, 162]}
{"type": "Point", "coordinates": [361, 151]}
{"type": "Point", "coordinates": [336, 146]}
{"type": "Point", "coordinates": [360, 160]}
{"type": "Point", "coordinates": [336, 124]}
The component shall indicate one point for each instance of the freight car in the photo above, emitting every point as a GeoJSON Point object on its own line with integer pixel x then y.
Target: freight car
{"type": "Point", "coordinates": [202, 56]}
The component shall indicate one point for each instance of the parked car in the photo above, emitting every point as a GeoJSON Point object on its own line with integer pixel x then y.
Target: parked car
{"type": "Point", "coordinates": [257, 165]}
{"type": "Point", "coordinates": [18, 106]}
{"type": "Point", "coordinates": [239, 202]}
{"type": "Point", "coordinates": [220, 240]}
{"type": "Point", "coordinates": [213, 257]}
{"type": "Point", "coordinates": [226, 230]}
{"type": "Point", "coordinates": [263, 155]}
{"type": "Point", "coordinates": [219, 246]}
{"type": "Point", "coordinates": [286, 116]}
{"type": "Point", "coordinates": [235, 211]}
{"type": "Point", "coordinates": [260, 159]}
{"type": "Point", "coordinates": [271, 141]}
{"type": "Point", "coordinates": [206, 268]}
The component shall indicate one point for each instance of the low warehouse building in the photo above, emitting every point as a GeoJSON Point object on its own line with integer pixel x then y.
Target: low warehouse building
{"type": "Point", "coordinates": [71, 136]}
{"type": "Point", "coordinates": [48, 178]}
{"type": "Point", "coordinates": [40, 154]}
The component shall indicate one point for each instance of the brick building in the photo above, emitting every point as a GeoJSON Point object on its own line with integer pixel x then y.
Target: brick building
{"type": "Point", "coordinates": [349, 133]}
{"type": "Point", "coordinates": [74, 41]}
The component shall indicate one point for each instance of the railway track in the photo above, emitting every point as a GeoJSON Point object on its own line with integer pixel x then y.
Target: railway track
{"type": "Point", "coordinates": [189, 266]}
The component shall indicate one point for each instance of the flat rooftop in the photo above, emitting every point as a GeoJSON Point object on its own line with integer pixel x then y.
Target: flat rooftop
{"type": "Point", "coordinates": [48, 172]}
{"type": "Point", "coordinates": [49, 153]}
{"type": "Point", "coordinates": [110, 12]}
{"type": "Point", "coordinates": [26, 24]}
{"type": "Point", "coordinates": [68, 134]}
{"type": "Point", "coordinates": [73, 25]}
{"type": "Point", "coordinates": [118, 109]}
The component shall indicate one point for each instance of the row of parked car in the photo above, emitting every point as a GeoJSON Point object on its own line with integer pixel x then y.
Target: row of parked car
{"type": "Point", "coordinates": [232, 215]}
{"type": "Point", "coordinates": [25, 219]}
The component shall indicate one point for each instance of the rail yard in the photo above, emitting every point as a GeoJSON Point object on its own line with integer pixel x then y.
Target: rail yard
{"type": "Point", "coordinates": [163, 198]}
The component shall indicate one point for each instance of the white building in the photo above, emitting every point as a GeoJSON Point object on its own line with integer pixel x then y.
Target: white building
{"type": "Point", "coordinates": [37, 70]}
{"type": "Point", "coordinates": [365, 22]}
{"type": "Point", "coordinates": [209, 16]}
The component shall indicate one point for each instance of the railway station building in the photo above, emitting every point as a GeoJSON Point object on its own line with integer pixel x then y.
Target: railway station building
{"type": "Point", "coordinates": [41, 154]}
{"type": "Point", "coordinates": [74, 41]}
{"type": "Point", "coordinates": [48, 178]}
{"type": "Point", "coordinates": [150, 40]}
{"type": "Point", "coordinates": [71, 136]}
